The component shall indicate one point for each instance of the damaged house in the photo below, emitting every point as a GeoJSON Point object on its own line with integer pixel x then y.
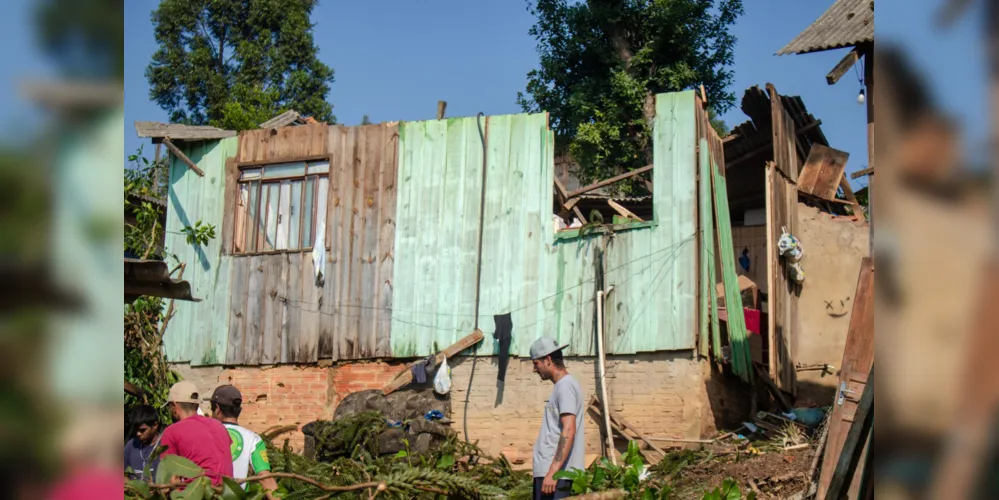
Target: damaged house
{"type": "Point", "coordinates": [345, 253]}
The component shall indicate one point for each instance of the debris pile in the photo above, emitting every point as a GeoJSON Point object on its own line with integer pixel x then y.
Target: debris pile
{"type": "Point", "coordinates": [379, 425]}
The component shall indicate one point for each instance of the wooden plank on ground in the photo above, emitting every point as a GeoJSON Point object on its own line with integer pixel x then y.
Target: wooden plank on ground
{"type": "Point", "coordinates": [823, 171]}
{"type": "Point", "coordinates": [183, 157]}
{"type": "Point", "coordinates": [406, 376]}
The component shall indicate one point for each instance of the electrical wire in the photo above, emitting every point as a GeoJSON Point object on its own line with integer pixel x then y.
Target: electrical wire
{"type": "Point", "coordinates": [478, 271]}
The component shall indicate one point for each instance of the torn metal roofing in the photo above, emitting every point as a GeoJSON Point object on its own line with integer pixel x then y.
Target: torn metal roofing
{"type": "Point", "coordinates": [845, 24]}
{"type": "Point", "coordinates": [754, 136]}
{"type": "Point", "coordinates": [152, 278]}
{"type": "Point", "coordinates": [178, 132]}
{"type": "Point", "coordinates": [290, 117]}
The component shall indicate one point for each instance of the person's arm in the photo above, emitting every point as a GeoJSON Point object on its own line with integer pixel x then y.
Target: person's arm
{"type": "Point", "coordinates": [262, 467]}
{"type": "Point", "coordinates": [565, 440]}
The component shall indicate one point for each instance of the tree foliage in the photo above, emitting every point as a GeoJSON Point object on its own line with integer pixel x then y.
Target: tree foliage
{"type": "Point", "coordinates": [602, 62]}
{"type": "Point", "coordinates": [237, 63]}
{"type": "Point", "coordinates": [83, 36]}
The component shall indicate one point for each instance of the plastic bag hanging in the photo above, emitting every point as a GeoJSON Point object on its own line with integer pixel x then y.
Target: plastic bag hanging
{"type": "Point", "coordinates": [790, 248]}
{"type": "Point", "coordinates": [442, 381]}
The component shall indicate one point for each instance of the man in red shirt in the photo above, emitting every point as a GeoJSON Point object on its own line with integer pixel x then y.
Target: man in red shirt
{"type": "Point", "coordinates": [202, 440]}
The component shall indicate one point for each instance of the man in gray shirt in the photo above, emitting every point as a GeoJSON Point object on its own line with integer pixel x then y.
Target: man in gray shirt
{"type": "Point", "coordinates": [560, 444]}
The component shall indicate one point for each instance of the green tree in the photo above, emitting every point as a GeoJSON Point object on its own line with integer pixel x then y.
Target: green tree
{"type": "Point", "coordinates": [236, 63]}
{"type": "Point", "coordinates": [365, 120]}
{"type": "Point", "coordinates": [84, 37]}
{"type": "Point", "coordinates": [602, 62]}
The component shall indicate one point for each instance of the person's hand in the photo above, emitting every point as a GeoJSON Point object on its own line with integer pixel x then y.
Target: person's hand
{"type": "Point", "coordinates": [548, 485]}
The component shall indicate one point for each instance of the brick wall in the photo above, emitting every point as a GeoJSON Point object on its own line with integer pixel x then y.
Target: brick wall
{"type": "Point", "coordinates": [663, 394]}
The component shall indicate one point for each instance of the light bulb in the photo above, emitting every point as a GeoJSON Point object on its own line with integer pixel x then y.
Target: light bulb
{"type": "Point", "coordinates": [860, 97]}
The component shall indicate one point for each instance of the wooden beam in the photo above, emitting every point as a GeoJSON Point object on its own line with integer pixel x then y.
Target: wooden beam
{"type": "Point", "coordinates": [612, 180]}
{"type": "Point", "coordinates": [182, 157]}
{"type": "Point", "coordinates": [406, 376]}
{"type": "Point", "coordinates": [843, 66]}
{"type": "Point", "coordinates": [623, 211]}
{"type": "Point", "coordinates": [156, 130]}
{"type": "Point", "coordinates": [563, 198]}
{"type": "Point", "coordinates": [860, 173]}
{"type": "Point", "coordinates": [441, 107]}
{"type": "Point", "coordinates": [767, 146]}
{"type": "Point", "coordinates": [619, 422]}
{"type": "Point", "coordinates": [851, 197]}
{"type": "Point", "coordinates": [853, 446]}
{"type": "Point", "coordinates": [777, 393]}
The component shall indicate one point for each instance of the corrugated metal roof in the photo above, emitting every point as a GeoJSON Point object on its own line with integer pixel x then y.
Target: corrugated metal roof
{"type": "Point", "coordinates": [846, 23]}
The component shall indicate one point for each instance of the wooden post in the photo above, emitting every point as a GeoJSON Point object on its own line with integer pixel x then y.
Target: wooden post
{"type": "Point", "coordinates": [871, 195]}
{"type": "Point", "coordinates": [441, 107]}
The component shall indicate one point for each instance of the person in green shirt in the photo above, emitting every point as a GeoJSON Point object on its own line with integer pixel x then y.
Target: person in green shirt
{"type": "Point", "coordinates": [249, 451]}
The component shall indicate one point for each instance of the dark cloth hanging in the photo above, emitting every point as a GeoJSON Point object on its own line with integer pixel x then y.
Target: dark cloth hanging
{"type": "Point", "coordinates": [423, 369]}
{"type": "Point", "coordinates": [503, 334]}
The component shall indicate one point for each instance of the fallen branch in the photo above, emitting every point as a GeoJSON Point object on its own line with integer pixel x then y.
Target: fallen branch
{"type": "Point", "coordinates": [379, 486]}
{"type": "Point", "coordinates": [169, 313]}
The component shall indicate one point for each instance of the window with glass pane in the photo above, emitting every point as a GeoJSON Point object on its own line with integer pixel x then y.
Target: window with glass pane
{"type": "Point", "coordinates": [276, 206]}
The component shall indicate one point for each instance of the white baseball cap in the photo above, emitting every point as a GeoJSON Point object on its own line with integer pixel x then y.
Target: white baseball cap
{"type": "Point", "coordinates": [545, 346]}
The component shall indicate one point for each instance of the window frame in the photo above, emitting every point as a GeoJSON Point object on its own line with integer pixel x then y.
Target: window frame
{"type": "Point", "coordinates": [260, 211]}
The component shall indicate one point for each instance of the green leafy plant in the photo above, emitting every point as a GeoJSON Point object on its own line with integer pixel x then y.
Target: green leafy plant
{"type": "Point", "coordinates": [234, 64]}
{"type": "Point", "coordinates": [602, 63]}
{"type": "Point", "coordinates": [199, 234]}
{"type": "Point", "coordinates": [729, 491]}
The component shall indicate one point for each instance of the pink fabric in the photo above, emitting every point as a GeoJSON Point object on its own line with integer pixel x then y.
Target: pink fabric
{"type": "Point", "coordinates": [752, 320]}
{"type": "Point", "coordinates": [89, 484]}
{"type": "Point", "coordinates": [204, 441]}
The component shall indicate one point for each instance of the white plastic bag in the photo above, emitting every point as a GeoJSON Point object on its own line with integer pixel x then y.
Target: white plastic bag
{"type": "Point", "coordinates": [442, 381]}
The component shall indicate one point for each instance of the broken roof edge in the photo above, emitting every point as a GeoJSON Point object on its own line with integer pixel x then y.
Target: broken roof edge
{"type": "Point", "coordinates": [178, 132]}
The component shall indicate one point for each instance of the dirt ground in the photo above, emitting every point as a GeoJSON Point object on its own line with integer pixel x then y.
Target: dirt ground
{"type": "Point", "coordinates": [777, 475]}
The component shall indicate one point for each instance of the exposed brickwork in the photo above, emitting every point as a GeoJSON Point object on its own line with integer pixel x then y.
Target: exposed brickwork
{"type": "Point", "coordinates": [664, 394]}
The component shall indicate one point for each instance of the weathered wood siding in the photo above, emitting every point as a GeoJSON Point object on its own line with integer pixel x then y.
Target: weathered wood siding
{"type": "Point", "coordinates": [782, 212]}
{"type": "Point", "coordinates": [361, 214]}
{"type": "Point", "coordinates": [282, 144]}
{"type": "Point", "coordinates": [280, 313]}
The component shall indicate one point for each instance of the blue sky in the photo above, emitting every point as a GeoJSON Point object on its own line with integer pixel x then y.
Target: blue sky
{"type": "Point", "coordinates": [395, 59]}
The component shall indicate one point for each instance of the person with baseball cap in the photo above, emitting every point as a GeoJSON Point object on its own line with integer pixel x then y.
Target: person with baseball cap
{"type": "Point", "coordinates": [560, 444]}
{"type": "Point", "coordinates": [200, 439]}
{"type": "Point", "coordinates": [248, 450]}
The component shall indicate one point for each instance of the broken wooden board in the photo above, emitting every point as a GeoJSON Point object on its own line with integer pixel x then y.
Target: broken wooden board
{"type": "Point", "coordinates": [156, 130]}
{"type": "Point", "coordinates": [406, 376]}
{"type": "Point", "coordinates": [183, 157]}
{"type": "Point", "coordinates": [858, 359]}
{"type": "Point", "coordinates": [624, 212]}
{"type": "Point", "coordinates": [617, 421]}
{"type": "Point", "coordinates": [823, 171]}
